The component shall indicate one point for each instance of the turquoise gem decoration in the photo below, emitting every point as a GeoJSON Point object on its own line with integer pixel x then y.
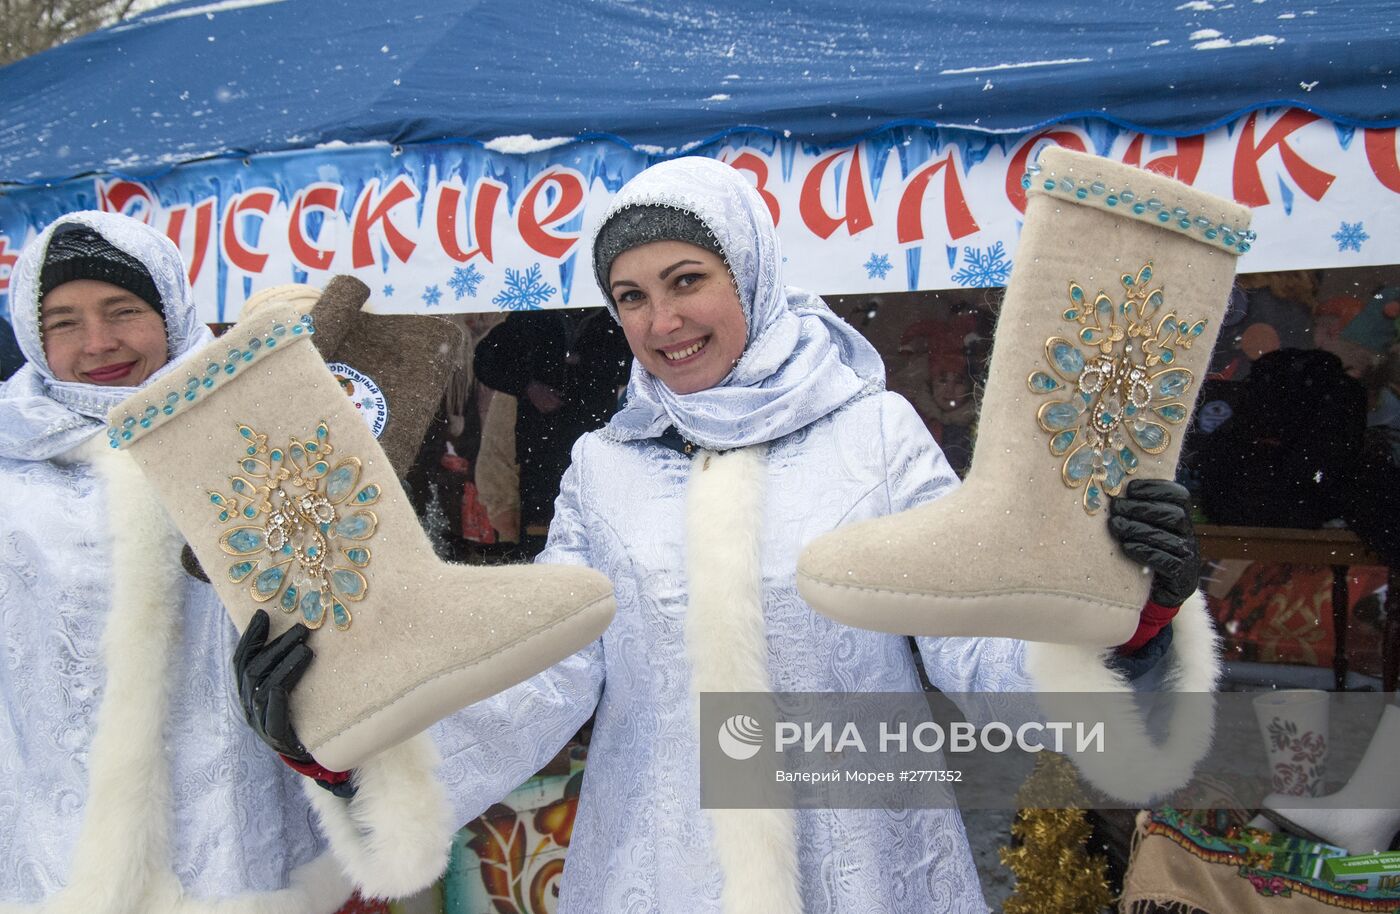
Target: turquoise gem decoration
{"type": "Point", "coordinates": [1058, 416]}
{"type": "Point", "coordinates": [1080, 465]}
{"type": "Point", "coordinates": [1064, 357]}
{"type": "Point", "coordinates": [1061, 442]}
{"type": "Point", "coordinates": [269, 583]}
{"type": "Point", "coordinates": [342, 480]}
{"type": "Point", "coordinates": [1150, 436]}
{"type": "Point", "coordinates": [358, 526]}
{"type": "Point", "coordinates": [312, 613]}
{"type": "Point", "coordinates": [1175, 413]}
{"type": "Point", "coordinates": [348, 582]}
{"type": "Point", "coordinates": [1173, 383]}
{"type": "Point", "coordinates": [1092, 191]}
{"type": "Point", "coordinates": [1113, 471]}
{"type": "Point", "coordinates": [301, 528]}
{"type": "Point", "coordinates": [1119, 367]}
{"type": "Point", "coordinates": [243, 540]}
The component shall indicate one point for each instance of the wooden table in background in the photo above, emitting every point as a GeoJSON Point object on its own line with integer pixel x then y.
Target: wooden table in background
{"type": "Point", "coordinates": [1339, 549]}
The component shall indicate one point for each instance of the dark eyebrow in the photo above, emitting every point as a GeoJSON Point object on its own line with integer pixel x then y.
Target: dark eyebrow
{"type": "Point", "coordinates": [662, 275]}
{"type": "Point", "coordinates": [676, 266]}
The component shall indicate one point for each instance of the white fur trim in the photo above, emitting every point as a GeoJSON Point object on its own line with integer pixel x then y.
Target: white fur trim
{"type": "Point", "coordinates": [394, 837]}
{"type": "Point", "coordinates": [727, 644]}
{"type": "Point", "coordinates": [121, 864]}
{"type": "Point", "coordinates": [1135, 769]}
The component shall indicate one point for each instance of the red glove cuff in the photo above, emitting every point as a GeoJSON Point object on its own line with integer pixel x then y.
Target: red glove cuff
{"type": "Point", "coordinates": [316, 772]}
{"type": "Point", "coordinates": [1154, 618]}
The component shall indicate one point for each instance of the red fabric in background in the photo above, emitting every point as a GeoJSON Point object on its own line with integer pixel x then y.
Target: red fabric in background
{"type": "Point", "coordinates": [357, 905]}
{"type": "Point", "coordinates": [1281, 613]}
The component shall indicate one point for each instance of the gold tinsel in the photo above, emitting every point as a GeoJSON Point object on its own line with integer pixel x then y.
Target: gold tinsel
{"type": "Point", "coordinates": [1055, 873]}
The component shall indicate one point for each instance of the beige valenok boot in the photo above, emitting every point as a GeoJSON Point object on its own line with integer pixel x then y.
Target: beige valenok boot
{"type": "Point", "coordinates": [290, 504]}
{"type": "Point", "coordinates": [1110, 315]}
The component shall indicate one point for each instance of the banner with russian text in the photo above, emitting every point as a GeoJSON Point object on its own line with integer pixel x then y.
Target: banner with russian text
{"type": "Point", "coordinates": [444, 228]}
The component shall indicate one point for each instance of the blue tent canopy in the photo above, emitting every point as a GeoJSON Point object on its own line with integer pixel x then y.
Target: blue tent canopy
{"type": "Point", "coordinates": [239, 77]}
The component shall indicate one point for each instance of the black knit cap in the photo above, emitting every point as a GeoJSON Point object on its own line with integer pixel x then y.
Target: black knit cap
{"type": "Point", "coordinates": [78, 252]}
{"type": "Point", "coordinates": [642, 224]}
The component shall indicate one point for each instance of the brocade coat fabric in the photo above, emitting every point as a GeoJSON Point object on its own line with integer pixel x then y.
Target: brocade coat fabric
{"type": "Point", "coordinates": [641, 841]}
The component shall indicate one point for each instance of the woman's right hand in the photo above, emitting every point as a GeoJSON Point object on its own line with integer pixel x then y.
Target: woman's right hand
{"type": "Point", "coordinates": [266, 672]}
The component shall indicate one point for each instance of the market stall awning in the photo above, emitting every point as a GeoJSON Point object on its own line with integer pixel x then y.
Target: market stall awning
{"type": "Point", "coordinates": [200, 79]}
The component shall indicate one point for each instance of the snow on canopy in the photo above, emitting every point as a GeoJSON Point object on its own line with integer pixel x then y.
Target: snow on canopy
{"type": "Point", "coordinates": [241, 77]}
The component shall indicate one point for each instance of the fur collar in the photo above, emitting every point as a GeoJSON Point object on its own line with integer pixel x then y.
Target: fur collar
{"type": "Point", "coordinates": [727, 646]}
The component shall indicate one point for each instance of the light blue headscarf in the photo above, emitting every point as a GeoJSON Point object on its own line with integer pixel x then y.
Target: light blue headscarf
{"type": "Point", "coordinates": [800, 362]}
{"type": "Point", "coordinates": [41, 416]}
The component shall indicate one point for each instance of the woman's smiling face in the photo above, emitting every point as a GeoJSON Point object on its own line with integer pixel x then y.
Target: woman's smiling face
{"type": "Point", "coordinates": [680, 313]}
{"type": "Point", "coordinates": [98, 333]}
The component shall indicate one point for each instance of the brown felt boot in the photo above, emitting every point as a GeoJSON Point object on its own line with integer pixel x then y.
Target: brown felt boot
{"type": "Point", "coordinates": [394, 367]}
{"type": "Point", "coordinates": [290, 503]}
{"type": "Point", "coordinates": [1112, 309]}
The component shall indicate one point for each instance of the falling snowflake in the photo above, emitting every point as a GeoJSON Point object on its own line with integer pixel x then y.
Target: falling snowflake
{"type": "Point", "coordinates": [1350, 236]}
{"type": "Point", "coordinates": [982, 270]}
{"type": "Point", "coordinates": [878, 266]}
{"type": "Point", "coordinates": [465, 280]}
{"type": "Point", "coordinates": [432, 295]}
{"type": "Point", "coordinates": [525, 290]}
{"type": "Point", "coordinates": [388, 291]}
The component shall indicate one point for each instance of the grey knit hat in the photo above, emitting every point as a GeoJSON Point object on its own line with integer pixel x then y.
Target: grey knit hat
{"type": "Point", "coordinates": [644, 223]}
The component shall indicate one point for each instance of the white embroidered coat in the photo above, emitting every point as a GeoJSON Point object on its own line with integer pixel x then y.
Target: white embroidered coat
{"type": "Point", "coordinates": [641, 842]}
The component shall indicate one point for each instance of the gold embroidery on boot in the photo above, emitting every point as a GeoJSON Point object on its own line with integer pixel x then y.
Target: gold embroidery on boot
{"type": "Point", "coordinates": [1115, 396]}
{"type": "Point", "coordinates": [296, 518]}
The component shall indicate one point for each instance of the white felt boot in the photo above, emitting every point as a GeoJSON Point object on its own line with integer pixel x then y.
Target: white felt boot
{"type": "Point", "coordinates": [1112, 308]}
{"type": "Point", "coordinates": [291, 505]}
{"type": "Point", "coordinates": [1365, 814]}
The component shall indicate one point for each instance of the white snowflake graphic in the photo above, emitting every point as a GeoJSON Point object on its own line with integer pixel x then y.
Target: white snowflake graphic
{"type": "Point", "coordinates": [1350, 236]}
{"type": "Point", "coordinates": [525, 290]}
{"type": "Point", "coordinates": [878, 266]}
{"type": "Point", "coordinates": [983, 270]}
{"type": "Point", "coordinates": [465, 280]}
{"type": "Point", "coordinates": [388, 291]}
{"type": "Point", "coordinates": [432, 295]}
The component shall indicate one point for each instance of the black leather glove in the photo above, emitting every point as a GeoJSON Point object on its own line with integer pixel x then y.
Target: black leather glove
{"type": "Point", "coordinates": [266, 672]}
{"type": "Point", "coordinates": [1152, 524]}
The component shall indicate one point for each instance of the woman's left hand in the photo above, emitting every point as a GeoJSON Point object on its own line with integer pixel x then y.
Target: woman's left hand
{"type": "Point", "coordinates": [1151, 521]}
